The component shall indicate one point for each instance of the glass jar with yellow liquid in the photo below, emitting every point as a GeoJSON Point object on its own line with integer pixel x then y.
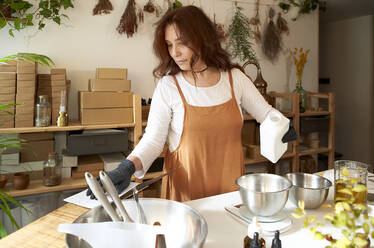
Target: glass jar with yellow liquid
{"type": "Point", "coordinates": [350, 179]}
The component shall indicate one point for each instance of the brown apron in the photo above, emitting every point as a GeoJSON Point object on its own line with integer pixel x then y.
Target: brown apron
{"type": "Point", "coordinates": [210, 151]}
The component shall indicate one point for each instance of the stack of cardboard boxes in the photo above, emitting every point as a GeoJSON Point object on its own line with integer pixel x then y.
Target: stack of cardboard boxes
{"type": "Point", "coordinates": [37, 147]}
{"type": "Point", "coordinates": [88, 163]}
{"type": "Point", "coordinates": [109, 100]}
{"type": "Point", "coordinates": [7, 93]}
{"type": "Point", "coordinates": [25, 97]}
{"type": "Point", "coordinates": [44, 86]}
{"type": "Point", "coordinates": [59, 84]}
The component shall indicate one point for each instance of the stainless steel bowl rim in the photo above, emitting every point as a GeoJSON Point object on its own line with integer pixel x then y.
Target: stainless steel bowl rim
{"type": "Point", "coordinates": [314, 175]}
{"type": "Point", "coordinates": [266, 174]}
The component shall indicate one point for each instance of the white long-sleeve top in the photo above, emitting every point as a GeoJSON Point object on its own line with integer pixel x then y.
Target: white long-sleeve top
{"type": "Point", "coordinates": [166, 115]}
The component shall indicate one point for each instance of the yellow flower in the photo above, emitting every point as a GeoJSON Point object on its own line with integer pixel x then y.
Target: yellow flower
{"type": "Point", "coordinates": [300, 59]}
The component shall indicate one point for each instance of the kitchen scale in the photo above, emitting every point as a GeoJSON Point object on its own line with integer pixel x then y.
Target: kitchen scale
{"type": "Point", "coordinates": [281, 221]}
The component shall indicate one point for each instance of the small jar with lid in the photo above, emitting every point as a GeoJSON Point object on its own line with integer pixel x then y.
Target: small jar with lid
{"type": "Point", "coordinates": [52, 170]}
{"type": "Point", "coordinates": [43, 112]}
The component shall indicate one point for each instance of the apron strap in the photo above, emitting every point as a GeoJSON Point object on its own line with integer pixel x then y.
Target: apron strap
{"type": "Point", "coordinates": [231, 85]}
{"type": "Point", "coordinates": [180, 91]}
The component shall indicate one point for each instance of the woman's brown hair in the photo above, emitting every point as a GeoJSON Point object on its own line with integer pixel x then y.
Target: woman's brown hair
{"type": "Point", "coordinates": [198, 32]}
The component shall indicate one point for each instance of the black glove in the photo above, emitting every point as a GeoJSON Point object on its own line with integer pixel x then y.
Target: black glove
{"type": "Point", "coordinates": [291, 134]}
{"type": "Point", "coordinates": [121, 177]}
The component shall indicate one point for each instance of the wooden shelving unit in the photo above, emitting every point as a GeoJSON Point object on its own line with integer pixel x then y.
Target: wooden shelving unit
{"type": "Point", "coordinates": [295, 115]}
{"type": "Point", "coordinates": [37, 187]}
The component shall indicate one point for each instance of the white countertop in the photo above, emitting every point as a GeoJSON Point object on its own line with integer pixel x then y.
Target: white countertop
{"type": "Point", "coordinates": [225, 230]}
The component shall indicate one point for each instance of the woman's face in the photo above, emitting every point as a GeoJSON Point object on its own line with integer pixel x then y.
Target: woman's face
{"type": "Point", "coordinates": [180, 53]}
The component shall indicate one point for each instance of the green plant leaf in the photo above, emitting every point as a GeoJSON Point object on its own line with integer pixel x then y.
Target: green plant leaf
{"type": "Point", "coordinates": [3, 232]}
{"type": "Point", "coordinates": [3, 23]}
{"type": "Point", "coordinates": [11, 32]}
{"type": "Point", "coordinates": [17, 24]}
{"type": "Point", "coordinates": [57, 20]}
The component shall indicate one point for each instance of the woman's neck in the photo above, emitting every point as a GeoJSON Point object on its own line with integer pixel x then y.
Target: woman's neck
{"type": "Point", "coordinates": [205, 78]}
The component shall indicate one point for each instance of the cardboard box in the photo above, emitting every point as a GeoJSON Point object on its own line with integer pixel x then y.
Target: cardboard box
{"type": "Point", "coordinates": [106, 116]}
{"type": "Point", "coordinates": [24, 115]}
{"type": "Point", "coordinates": [105, 99]}
{"type": "Point", "coordinates": [69, 161]}
{"type": "Point", "coordinates": [6, 98]}
{"type": "Point", "coordinates": [26, 67]}
{"type": "Point", "coordinates": [26, 76]}
{"type": "Point", "coordinates": [24, 110]}
{"type": "Point", "coordinates": [28, 137]}
{"type": "Point", "coordinates": [26, 91]}
{"type": "Point", "coordinates": [76, 175]}
{"type": "Point", "coordinates": [8, 90]}
{"type": "Point", "coordinates": [109, 85]}
{"type": "Point", "coordinates": [9, 66]}
{"type": "Point", "coordinates": [7, 123]}
{"type": "Point", "coordinates": [21, 98]}
{"type": "Point", "coordinates": [26, 84]}
{"type": "Point", "coordinates": [89, 163]}
{"type": "Point", "coordinates": [23, 123]}
{"type": "Point", "coordinates": [37, 150]}
{"type": "Point", "coordinates": [58, 84]}
{"type": "Point", "coordinates": [46, 77]}
{"type": "Point", "coordinates": [58, 77]}
{"type": "Point", "coordinates": [7, 83]}
{"type": "Point", "coordinates": [111, 73]}
{"type": "Point", "coordinates": [7, 76]}
{"type": "Point", "coordinates": [10, 157]}
{"type": "Point", "coordinates": [22, 63]}
{"type": "Point", "coordinates": [58, 71]}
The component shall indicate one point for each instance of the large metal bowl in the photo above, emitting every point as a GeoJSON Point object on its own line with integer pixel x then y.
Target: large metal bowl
{"type": "Point", "coordinates": [187, 227]}
{"type": "Point", "coordinates": [312, 189]}
{"type": "Point", "coordinates": [264, 194]}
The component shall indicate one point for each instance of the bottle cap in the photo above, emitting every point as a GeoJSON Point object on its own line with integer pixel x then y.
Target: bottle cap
{"type": "Point", "coordinates": [276, 243]}
{"type": "Point", "coordinates": [255, 242]}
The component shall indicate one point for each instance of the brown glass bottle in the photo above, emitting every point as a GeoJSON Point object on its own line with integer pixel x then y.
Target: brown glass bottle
{"type": "Point", "coordinates": [248, 240]}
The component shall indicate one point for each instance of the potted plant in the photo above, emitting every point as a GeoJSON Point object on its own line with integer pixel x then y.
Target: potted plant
{"type": "Point", "coordinates": [31, 13]}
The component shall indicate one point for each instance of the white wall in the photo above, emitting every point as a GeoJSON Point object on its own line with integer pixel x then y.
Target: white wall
{"type": "Point", "coordinates": [85, 42]}
{"type": "Point", "coordinates": [347, 58]}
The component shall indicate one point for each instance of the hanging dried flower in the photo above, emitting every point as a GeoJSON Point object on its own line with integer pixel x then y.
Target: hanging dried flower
{"type": "Point", "coordinates": [128, 23]}
{"type": "Point", "coordinates": [103, 7]}
{"type": "Point", "coordinates": [255, 21]}
{"type": "Point", "coordinates": [299, 59]}
{"type": "Point", "coordinates": [282, 24]}
{"type": "Point", "coordinates": [152, 7]}
{"type": "Point", "coordinates": [220, 29]}
{"type": "Point", "coordinates": [271, 43]}
{"type": "Point", "coordinates": [140, 16]}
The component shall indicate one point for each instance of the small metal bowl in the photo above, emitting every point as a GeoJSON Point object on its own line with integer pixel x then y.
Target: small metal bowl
{"type": "Point", "coordinates": [310, 188]}
{"type": "Point", "coordinates": [264, 194]}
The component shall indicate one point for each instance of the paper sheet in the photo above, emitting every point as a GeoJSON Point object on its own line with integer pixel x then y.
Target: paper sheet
{"type": "Point", "coordinates": [82, 200]}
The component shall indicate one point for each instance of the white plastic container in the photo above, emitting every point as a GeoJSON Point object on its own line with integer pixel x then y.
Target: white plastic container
{"type": "Point", "coordinates": [272, 130]}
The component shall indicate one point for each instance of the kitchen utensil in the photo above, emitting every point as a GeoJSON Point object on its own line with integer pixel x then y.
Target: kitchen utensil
{"type": "Point", "coordinates": [310, 188]}
{"type": "Point", "coordinates": [141, 215]}
{"type": "Point", "coordinates": [100, 195]}
{"type": "Point", "coordinates": [109, 187]}
{"type": "Point", "coordinates": [264, 194]}
{"type": "Point", "coordinates": [243, 210]}
{"type": "Point", "coordinates": [268, 228]}
{"type": "Point", "coordinates": [145, 184]}
{"type": "Point", "coordinates": [184, 226]}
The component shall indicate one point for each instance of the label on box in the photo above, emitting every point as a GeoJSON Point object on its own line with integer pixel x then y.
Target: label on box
{"type": "Point", "coordinates": [105, 99]}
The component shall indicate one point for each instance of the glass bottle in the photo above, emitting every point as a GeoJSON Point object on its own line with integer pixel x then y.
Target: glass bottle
{"type": "Point", "coordinates": [253, 230]}
{"type": "Point", "coordinates": [302, 97]}
{"type": "Point", "coordinates": [43, 112]}
{"type": "Point", "coordinates": [52, 171]}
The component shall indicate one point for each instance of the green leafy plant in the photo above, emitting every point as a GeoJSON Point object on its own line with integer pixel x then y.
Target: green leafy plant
{"type": "Point", "coordinates": [306, 6]}
{"type": "Point", "coordinates": [31, 57]}
{"type": "Point", "coordinates": [240, 34]}
{"type": "Point", "coordinates": [30, 13]}
{"type": "Point", "coordinates": [349, 215]}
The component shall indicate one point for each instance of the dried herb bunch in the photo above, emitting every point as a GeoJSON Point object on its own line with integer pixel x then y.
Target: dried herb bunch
{"type": "Point", "coordinates": [299, 59]}
{"type": "Point", "coordinates": [240, 33]}
{"type": "Point", "coordinates": [152, 7]}
{"type": "Point", "coordinates": [306, 6]}
{"type": "Point", "coordinates": [349, 216]}
{"type": "Point", "coordinates": [103, 7]}
{"type": "Point", "coordinates": [271, 41]}
{"type": "Point", "coordinates": [129, 22]}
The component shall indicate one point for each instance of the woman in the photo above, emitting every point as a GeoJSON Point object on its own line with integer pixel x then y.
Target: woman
{"type": "Point", "coordinates": [195, 109]}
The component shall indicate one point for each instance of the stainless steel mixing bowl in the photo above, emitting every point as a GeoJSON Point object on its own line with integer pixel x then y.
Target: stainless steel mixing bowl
{"type": "Point", "coordinates": [264, 194]}
{"type": "Point", "coordinates": [186, 227]}
{"type": "Point", "coordinates": [312, 189]}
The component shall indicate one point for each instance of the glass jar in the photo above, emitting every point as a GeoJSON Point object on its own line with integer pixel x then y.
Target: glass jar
{"type": "Point", "coordinates": [43, 112]}
{"type": "Point", "coordinates": [52, 170]}
{"type": "Point", "coordinates": [302, 97]}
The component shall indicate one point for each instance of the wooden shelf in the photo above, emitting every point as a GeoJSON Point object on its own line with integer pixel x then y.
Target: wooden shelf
{"type": "Point", "coordinates": [314, 151]}
{"type": "Point", "coordinates": [71, 127]}
{"type": "Point", "coordinates": [37, 187]}
{"type": "Point", "coordinates": [314, 113]}
{"type": "Point", "coordinates": [263, 159]}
